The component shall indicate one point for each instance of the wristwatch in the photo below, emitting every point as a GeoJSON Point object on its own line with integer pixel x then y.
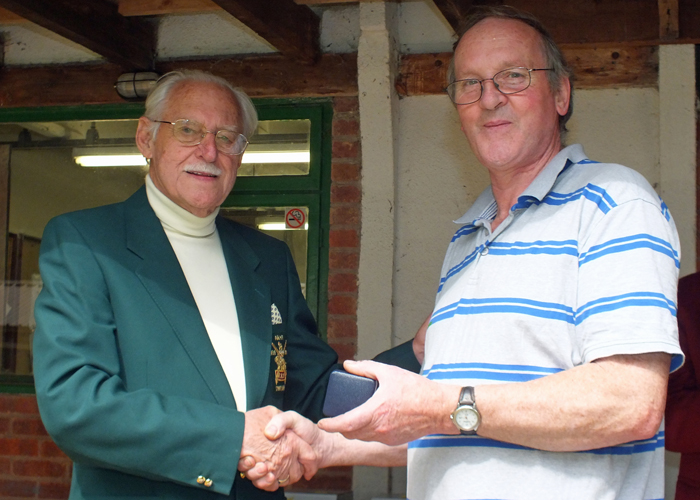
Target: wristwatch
{"type": "Point", "coordinates": [466, 417]}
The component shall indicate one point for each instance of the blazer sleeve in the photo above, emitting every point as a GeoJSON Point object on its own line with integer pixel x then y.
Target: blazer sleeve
{"type": "Point", "coordinates": [80, 383]}
{"type": "Point", "coordinates": [683, 402]}
{"type": "Point", "coordinates": [402, 356]}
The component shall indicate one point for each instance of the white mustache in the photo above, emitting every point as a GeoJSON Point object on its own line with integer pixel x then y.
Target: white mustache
{"type": "Point", "coordinates": [203, 168]}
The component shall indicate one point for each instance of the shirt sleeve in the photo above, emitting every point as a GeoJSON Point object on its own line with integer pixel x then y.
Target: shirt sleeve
{"type": "Point", "coordinates": [628, 271]}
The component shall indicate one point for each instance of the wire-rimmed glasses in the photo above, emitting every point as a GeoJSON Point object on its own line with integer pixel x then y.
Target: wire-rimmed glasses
{"type": "Point", "coordinates": [191, 133]}
{"type": "Point", "coordinates": [507, 81]}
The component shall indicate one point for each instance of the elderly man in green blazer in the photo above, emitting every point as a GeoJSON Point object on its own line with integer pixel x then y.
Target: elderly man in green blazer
{"type": "Point", "coordinates": [164, 331]}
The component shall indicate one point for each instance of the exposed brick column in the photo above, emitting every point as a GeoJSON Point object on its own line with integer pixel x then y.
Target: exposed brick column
{"type": "Point", "coordinates": [344, 234]}
{"type": "Point", "coordinates": [31, 465]}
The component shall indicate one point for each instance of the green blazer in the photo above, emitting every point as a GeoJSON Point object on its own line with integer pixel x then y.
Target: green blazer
{"type": "Point", "coordinates": [127, 381]}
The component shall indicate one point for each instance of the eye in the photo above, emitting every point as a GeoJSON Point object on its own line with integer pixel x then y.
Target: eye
{"type": "Point", "coordinates": [471, 82]}
{"type": "Point", "coordinates": [513, 74]}
{"type": "Point", "coordinates": [225, 137]}
{"type": "Point", "coordinates": [188, 128]}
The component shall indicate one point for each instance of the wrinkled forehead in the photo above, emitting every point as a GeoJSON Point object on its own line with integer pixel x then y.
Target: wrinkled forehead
{"type": "Point", "coordinates": [197, 100]}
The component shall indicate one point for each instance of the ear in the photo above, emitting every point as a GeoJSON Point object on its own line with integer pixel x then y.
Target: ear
{"type": "Point", "coordinates": [144, 138]}
{"type": "Point", "coordinates": [562, 97]}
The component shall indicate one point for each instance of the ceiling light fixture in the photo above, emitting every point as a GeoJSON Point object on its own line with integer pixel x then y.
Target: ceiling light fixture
{"type": "Point", "coordinates": [135, 86]}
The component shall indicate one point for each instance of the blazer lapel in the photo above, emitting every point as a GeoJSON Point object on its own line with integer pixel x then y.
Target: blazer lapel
{"type": "Point", "coordinates": [253, 305]}
{"type": "Point", "coordinates": [162, 276]}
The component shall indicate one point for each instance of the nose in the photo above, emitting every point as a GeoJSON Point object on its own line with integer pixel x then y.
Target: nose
{"type": "Point", "coordinates": [491, 97]}
{"type": "Point", "coordinates": [207, 147]}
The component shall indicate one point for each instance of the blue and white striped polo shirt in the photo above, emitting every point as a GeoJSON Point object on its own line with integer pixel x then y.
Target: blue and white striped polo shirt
{"type": "Point", "coordinates": [584, 267]}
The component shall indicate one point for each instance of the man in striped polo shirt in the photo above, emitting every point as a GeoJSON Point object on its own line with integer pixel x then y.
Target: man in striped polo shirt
{"type": "Point", "coordinates": [554, 328]}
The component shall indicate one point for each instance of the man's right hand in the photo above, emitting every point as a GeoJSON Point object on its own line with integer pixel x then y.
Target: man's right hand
{"type": "Point", "coordinates": [278, 461]}
{"type": "Point", "coordinates": [284, 424]}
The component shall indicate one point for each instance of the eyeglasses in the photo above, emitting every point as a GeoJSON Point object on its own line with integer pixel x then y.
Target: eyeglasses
{"type": "Point", "coordinates": [191, 133]}
{"type": "Point", "coordinates": [508, 81]}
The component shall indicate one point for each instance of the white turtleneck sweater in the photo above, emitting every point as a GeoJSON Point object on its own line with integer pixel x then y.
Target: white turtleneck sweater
{"type": "Point", "coordinates": [196, 243]}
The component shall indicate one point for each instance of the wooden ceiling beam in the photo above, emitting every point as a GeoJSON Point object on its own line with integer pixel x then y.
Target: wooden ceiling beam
{"type": "Point", "coordinates": [279, 77]}
{"type": "Point", "coordinates": [453, 11]}
{"type": "Point", "coordinates": [668, 20]}
{"type": "Point", "coordinates": [292, 29]}
{"type": "Point", "coordinates": [163, 7]}
{"type": "Point", "coordinates": [131, 8]}
{"type": "Point", "coordinates": [10, 18]}
{"type": "Point", "coordinates": [426, 74]}
{"type": "Point", "coordinates": [259, 76]}
{"type": "Point", "coordinates": [94, 24]}
{"type": "Point", "coordinates": [597, 23]}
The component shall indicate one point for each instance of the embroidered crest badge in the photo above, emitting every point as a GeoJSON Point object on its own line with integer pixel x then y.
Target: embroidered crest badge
{"type": "Point", "coordinates": [279, 351]}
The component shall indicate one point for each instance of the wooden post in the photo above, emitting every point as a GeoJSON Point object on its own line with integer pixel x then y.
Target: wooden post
{"type": "Point", "coordinates": [668, 20]}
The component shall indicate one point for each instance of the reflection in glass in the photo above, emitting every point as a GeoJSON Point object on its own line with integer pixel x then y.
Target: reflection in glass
{"type": "Point", "coordinates": [271, 221]}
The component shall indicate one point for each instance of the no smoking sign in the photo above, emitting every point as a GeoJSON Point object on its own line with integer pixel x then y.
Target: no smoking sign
{"type": "Point", "coordinates": [295, 218]}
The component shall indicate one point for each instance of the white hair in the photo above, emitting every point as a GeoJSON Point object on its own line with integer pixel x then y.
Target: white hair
{"type": "Point", "coordinates": [159, 97]}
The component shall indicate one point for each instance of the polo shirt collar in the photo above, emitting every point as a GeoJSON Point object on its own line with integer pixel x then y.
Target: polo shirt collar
{"type": "Point", "coordinates": [484, 208]}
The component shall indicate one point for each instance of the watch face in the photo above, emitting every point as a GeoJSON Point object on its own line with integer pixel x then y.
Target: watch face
{"type": "Point", "coordinates": [466, 418]}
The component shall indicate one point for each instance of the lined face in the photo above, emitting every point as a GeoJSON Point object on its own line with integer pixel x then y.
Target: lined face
{"type": "Point", "coordinates": [509, 131]}
{"type": "Point", "coordinates": [198, 178]}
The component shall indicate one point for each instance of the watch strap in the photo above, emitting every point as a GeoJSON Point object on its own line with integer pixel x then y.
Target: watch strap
{"type": "Point", "coordinates": [466, 397]}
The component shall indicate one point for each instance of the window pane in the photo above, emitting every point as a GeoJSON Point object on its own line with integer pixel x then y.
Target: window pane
{"type": "Point", "coordinates": [271, 221]}
{"type": "Point", "coordinates": [279, 147]}
{"type": "Point", "coordinates": [46, 181]}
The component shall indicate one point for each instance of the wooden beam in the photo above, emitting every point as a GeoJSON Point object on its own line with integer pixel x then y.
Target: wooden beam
{"type": "Point", "coordinates": [10, 18]}
{"type": "Point", "coordinates": [277, 76]}
{"type": "Point", "coordinates": [425, 74]}
{"type": "Point", "coordinates": [668, 20]}
{"type": "Point", "coordinates": [260, 76]}
{"type": "Point", "coordinates": [94, 24]}
{"type": "Point", "coordinates": [324, 2]}
{"type": "Point", "coordinates": [164, 7]}
{"type": "Point", "coordinates": [453, 11]}
{"type": "Point", "coordinates": [292, 29]}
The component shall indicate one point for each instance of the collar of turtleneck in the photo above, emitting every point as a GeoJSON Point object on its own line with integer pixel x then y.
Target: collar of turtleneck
{"type": "Point", "coordinates": [176, 218]}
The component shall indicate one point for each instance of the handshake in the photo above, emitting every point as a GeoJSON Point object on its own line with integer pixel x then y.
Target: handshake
{"type": "Point", "coordinates": [280, 448]}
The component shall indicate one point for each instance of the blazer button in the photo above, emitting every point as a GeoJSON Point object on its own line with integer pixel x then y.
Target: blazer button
{"type": "Point", "coordinates": [208, 483]}
{"type": "Point", "coordinates": [201, 479]}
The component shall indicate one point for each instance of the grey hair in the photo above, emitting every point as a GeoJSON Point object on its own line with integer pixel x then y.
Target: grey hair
{"type": "Point", "coordinates": [159, 97]}
{"type": "Point", "coordinates": [554, 58]}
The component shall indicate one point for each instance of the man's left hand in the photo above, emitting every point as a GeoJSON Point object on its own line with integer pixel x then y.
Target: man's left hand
{"type": "Point", "coordinates": [405, 407]}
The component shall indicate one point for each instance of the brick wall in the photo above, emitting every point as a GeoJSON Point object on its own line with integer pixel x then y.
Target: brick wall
{"type": "Point", "coordinates": [344, 235]}
{"type": "Point", "coordinates": [31, 466]}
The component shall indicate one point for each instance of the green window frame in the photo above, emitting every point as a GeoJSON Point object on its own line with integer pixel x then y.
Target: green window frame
{"type": "Point", "coordinates": [312, 190]}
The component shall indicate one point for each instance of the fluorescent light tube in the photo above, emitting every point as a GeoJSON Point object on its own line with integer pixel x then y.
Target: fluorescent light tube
{"type": "Point", "coordinates": [276, 157]}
